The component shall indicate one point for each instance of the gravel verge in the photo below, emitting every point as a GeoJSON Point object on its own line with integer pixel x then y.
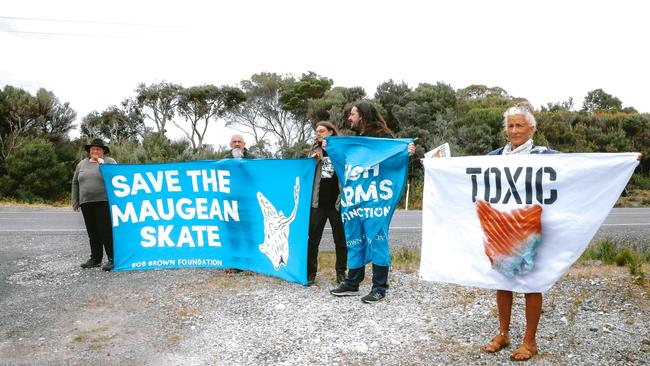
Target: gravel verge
{"type": "Point", "coordinates": [53, 312]}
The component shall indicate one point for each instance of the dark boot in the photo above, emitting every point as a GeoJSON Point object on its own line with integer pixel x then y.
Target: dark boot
{"type": "Point", "coordinates": [340, 276]}
{"type": "Point", "coordinates": [108, 266]}
{"type": "Point", "coordinates": [90, 263]}
{"type": "Point", "coordinates": [379, 279]}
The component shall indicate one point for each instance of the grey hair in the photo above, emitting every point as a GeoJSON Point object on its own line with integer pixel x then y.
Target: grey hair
{"type": "Point", "coordinates": [521, 108]}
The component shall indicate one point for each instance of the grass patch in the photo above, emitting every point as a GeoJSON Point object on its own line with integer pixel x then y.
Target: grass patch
{"type": "Point", "coordinates": [416, 192]}
{"type": "Point", "coordinates": [635, 197]}
{"type": "Point", "coordinates": [640, 181]}
{"type": "Point", "coordinates": [98, 343]}
{"type": "Point", "coordinates": [11, 202]}
{"type": "Point", "coordinates": [608, 252]}
{"type": "Point", "coordinates": [406, 260]}
{"type": "Point", "coordinates": [94, 338]}
{"type": "Point", "coordinates": [603, 250]}
{"type": "Point", "coordinates": [326, 262]}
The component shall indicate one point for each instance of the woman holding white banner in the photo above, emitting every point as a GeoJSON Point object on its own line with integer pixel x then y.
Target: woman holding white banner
{"type": "Point", "coordinates": [520, 125]}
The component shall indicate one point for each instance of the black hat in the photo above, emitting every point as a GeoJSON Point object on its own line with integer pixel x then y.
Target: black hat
{"type": "Point", "coordinates": [99, 143]}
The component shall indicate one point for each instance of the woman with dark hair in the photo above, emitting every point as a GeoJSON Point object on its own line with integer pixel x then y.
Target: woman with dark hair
{"type": "Point", "coordinates": [365, 120]}
{"type": "Point", "coordinates": [325, 204]}
{"type": "Point", "coordinates": [89, 195]}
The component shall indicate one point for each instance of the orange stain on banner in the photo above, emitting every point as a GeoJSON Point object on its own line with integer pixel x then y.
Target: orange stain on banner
{"type": "Point", "coordinates": [510, 237]}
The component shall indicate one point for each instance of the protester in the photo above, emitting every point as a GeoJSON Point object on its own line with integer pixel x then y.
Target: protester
{"type": "Point", "coordinates": [325, 204]}
{"type": "Point", "coordinates": [366, 121]}
{"type": "Point", "coordinates": [238, 148]}
{"type": "Point", "coordinates": [89, 194]}
{"type": "Point", "coordinates": [520, 125]}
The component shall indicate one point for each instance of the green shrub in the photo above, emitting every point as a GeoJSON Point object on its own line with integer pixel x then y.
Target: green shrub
{"type": "Point", "coordinates": [640, 181]}
{"type": "Point", "coordinates": [604, 250]}
{"type": "Point", "coordinates": [607, 252]}
{"type": "Point", "coordinates": [155, 148]}
{"type": "Point", "coordinates": [34, 174]}
{"type": "Point", "coordinates": [623, 257]}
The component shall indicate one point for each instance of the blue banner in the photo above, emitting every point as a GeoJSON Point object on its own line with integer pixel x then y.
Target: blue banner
{"type": "Point", "coordinates": [372, 172]}
{"type": "Point", "coordinates": [232, 213]}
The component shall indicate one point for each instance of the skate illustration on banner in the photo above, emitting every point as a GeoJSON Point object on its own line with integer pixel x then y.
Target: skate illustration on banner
{"type": "Point", "coordinates": [276, 229]}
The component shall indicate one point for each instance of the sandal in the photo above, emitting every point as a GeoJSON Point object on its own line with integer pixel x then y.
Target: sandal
{"type": "Point", "coordinates": [497, 344]}
{"type": "Point", "coordinates": [523, 353]}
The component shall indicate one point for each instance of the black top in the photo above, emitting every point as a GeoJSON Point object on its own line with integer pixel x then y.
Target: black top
{"type": "Point", "coordinates": [329, 183]}
{"type": "Point", "coordinates": [377, 133]}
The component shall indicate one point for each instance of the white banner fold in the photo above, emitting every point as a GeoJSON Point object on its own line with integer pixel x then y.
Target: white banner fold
{"type": "Point", "coordinates": [515, 222]}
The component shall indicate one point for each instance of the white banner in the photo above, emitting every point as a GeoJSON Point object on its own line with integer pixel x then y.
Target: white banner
{"type": "Point", "coordinates": [515, 222]}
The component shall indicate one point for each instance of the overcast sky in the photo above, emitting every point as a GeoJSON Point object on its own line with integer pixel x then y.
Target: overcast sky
{"type": "Point", "coordinates": [94, 53]}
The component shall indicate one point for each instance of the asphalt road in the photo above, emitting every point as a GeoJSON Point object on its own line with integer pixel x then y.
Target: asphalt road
{"type": "Point", "coordinates": [626, 226]}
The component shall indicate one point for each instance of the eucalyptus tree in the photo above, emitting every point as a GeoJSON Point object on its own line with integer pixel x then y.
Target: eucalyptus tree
{"type": "Point", "coordinates": [116, 124]}
{"type": "Point", "coordinates": [267, 113]}
{"type": "Point", "coordinates": [335, 105]}
{"type": "Point", "coordinates": [18, 116]}
{"type": "Point", "coordinates": [203, 105]}
{"type": "Point", "coordinates": [158, 103]}
{"type": "Point", "coordinates": [54, 120]}
{"type": "Point", "coordinates": [296, 96]}
{"type": "Point", "coordinates": [599, 101]}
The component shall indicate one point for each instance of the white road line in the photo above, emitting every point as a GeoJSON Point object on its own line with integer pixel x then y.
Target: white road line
{"type": "Point", "coordinates": [630, 224]}
{"type": "Point", "coordinates": [327, 228]}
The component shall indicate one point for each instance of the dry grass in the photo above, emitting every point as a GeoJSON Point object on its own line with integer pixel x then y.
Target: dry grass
{"type": "Point", "coordinates": [97, 329]}
{"type": "Point", "coordinates": [98, 300]}
{"type": "Point", "coordinates": [10, 202]}
{"type": "Point", "coordinates": [186, 312]}
{"type": "Point", "coordinates": [97, 343]}
{"type": "Point", "coordinates": [595, 269]}
{"type": "Point", "coordinates": [405, 260]}
{"type": "Point", "coordinates": [220, 280]}
{"type": "Point", "coordinates": [173, 337]}
{"type": "Point", "coordinates": [326, 265]}
{"type": "Point", "coordinates": [95, 338]}
{"type": "Point", "coordinates": [634, 198]}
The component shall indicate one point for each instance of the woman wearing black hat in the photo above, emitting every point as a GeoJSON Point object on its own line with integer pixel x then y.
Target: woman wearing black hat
{"type": "Point", "coordinates": [89, 194]}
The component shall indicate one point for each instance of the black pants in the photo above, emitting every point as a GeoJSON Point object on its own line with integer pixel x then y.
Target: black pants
{"type": "Point", "coordinates": [97, 217]}
{"type": "Point", "coordinates": [317, 221]}
{"type": "Point", "coordinates": [379, 278]}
